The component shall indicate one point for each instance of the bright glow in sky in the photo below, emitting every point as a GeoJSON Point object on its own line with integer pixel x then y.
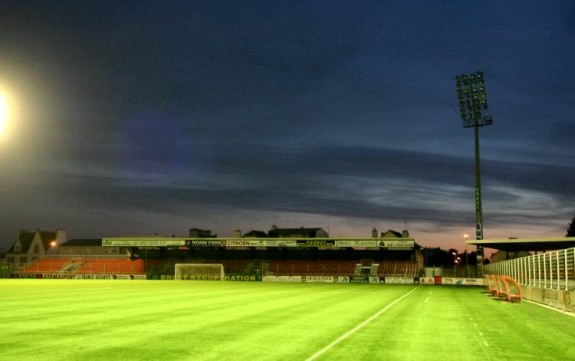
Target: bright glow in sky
{"type": "Point", "coordinates": [3, 114]}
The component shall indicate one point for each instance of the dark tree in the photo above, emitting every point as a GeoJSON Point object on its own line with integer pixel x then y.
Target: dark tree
{"type": "Point", "coordinates": [470, 257]}
{"type": "Point", "coordinates": [571, 229]}
{"type": "Point", "coordinates": [436, 257]}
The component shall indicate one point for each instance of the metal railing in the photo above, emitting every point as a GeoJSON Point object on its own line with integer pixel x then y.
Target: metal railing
{"type": "Point", "coordinates": [553, 270]}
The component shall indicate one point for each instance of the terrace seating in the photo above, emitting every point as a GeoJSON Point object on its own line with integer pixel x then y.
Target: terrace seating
{"type": "Point", "coordinates": [338, 268]}
{"type": "Point", "coordinates": [112, 266]}
{"type": "Point", "coordinates": [86, 266]}
{"type": "Point", "coordinates": [47, 265]}
{"type": "Point", "coordinates": [312, 267]}
{"type": "Point", "coordinates": [232, 266]}
{"type": "Point", "coordinates": [397, 268]}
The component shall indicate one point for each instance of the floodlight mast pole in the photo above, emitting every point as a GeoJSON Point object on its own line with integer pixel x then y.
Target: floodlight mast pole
{"type": "Point", "coordinates": [478, 197]}
{"type": "Point", "coordinates": [472, 101]}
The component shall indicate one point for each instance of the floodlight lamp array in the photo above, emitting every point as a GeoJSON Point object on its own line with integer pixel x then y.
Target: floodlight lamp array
{"type": "Point", "coordinates": [472, 99]}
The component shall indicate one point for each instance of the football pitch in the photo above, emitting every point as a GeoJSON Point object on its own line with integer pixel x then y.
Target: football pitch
{"type": "Point", "coordinates": [203, 320]}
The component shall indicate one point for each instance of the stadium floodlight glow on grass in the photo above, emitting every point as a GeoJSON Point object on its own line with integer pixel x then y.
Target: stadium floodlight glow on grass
{"type": "Point", "coordinates": [472, 99]}
{"type": "Point", "coordinates": [245, 321]}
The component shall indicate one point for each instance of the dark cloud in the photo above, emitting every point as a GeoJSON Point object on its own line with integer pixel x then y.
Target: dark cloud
{"type": "Point", "coordinates": [146, 115]}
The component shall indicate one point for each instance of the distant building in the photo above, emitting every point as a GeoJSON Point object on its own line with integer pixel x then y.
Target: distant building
{"type": "Point", "coordinates": [390, 234]}
{"type": "Point", "coordinates": [255, 234]}
{"type": "Point", "coordinates": [394, 234]}
{"type": "Point", "coordinates": [201, 233]}
{"type": "Point", "coordinates": [500, 256]}
{"type": "Point", "coordinates": [83, 247]}
{"type": "Point", "coordinates": [297, 232]}
{"type": "Point", "coordinates": [31, 246]}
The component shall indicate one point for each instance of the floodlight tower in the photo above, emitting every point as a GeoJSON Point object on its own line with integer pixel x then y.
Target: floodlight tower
{"type": "Point", "coordinates": [472, 107]}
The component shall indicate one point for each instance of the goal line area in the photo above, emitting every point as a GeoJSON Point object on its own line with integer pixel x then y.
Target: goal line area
{"type": "Point", "coordinates": [199, 271]}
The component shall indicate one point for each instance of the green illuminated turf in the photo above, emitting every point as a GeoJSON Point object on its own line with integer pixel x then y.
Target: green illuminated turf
{"type": "Point", "coordinates": [195, 320]}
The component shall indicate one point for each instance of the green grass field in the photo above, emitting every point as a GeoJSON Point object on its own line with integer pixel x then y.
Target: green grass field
{"type": "Point", "coordinates": [195, 320]}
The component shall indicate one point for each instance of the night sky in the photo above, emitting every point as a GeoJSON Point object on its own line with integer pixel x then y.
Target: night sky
{"type": "Point", "coordinates": [131, 118]}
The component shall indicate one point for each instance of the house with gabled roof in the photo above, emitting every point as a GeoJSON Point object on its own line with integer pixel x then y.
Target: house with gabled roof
{"type": "Point", "coordinates": [394, 234]}
{"type": "Point", "coordinates": [31, 246]}
{"type": "Point", "coordinates": [297, 232]}
{"type": "Point", "coordinates": [255, 234]}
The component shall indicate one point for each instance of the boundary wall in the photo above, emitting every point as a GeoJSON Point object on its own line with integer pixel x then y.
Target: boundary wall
{"type": "Point", "coordinates": [547, 278]}
{"type": "Point", "coordinates": [438, 280]}
{"type": "Point", "coordinates": [71, 276]}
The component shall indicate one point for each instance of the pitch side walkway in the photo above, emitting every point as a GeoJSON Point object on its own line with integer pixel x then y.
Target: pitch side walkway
{"type": "Point", "coordinates": [430, 323]}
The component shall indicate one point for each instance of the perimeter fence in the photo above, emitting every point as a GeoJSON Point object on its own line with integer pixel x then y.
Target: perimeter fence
{"type": "Point", "coordinates": [550, 270]}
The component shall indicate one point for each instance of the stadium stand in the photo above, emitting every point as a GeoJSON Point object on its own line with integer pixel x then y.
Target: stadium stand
{"type": "Point", "coordinates": [86, 266]}
{"type": "Point", "coordinates": [301, 253]}
{"type": "Point", "coordinates": [46, 265]}
{"type": "Point", "coordinates": [341, 268]}
{"type": "Point", "coordinates": [278, 267]}
{"type": "Point", "coordinates": [311, 267]}
{"type": "Point", "coordinates": [397, 268]}
{"type": "Point", "coordinates": [112, 266]}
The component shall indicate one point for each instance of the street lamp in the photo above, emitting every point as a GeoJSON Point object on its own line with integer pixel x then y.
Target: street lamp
{"type": "Point", "coordinates": [53, 247]}
{"type": "Point", "coordinates": [466, 253]}
{"type": "Point", "coordinates": [454, 254]}
{"type": "Point", "coordinates": [472, 107]}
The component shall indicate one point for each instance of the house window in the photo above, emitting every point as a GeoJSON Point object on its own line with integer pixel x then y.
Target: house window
{"type": "Point", "coordinates": [23, 261]}
{"type": "Point", "coordinates": [17, 248]}
{"type": "Point", "coordinates": [36, 249]}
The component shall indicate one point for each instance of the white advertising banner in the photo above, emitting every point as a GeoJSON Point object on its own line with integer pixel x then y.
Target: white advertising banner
{"type": "Point", "coordinates": [318, 279]}
{"type": "Point", "coordinates": [279, 243]}
{"type": "Point", "coordinates": [294, 279]}
{"type": "Point", "coordinates": [427, 280]}
{"type": "Point", "coordinates": [142, 242]}
{"type": "Point", "coordinates": [356, 243]}
{"type": "Point", "coordinates": [243, 243]}
{"type": "Point", "coordinates": [399, 280]}
{"type": "Point", "coordinates": [462, 281]}
{"type": "Point", "coordinates": [393, 244]}
{"type": "Point", "coordinates": [396, 244]}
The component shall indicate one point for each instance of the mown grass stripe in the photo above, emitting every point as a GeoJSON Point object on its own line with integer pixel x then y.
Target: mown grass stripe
{"type": "Point", "coordinates": [358, 327]}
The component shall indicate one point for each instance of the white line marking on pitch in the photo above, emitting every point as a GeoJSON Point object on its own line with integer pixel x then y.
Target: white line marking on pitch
{"type": "Point", "coordinates": [479, 332]}
{"type": "Point", "coordinates": [358, 327]}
